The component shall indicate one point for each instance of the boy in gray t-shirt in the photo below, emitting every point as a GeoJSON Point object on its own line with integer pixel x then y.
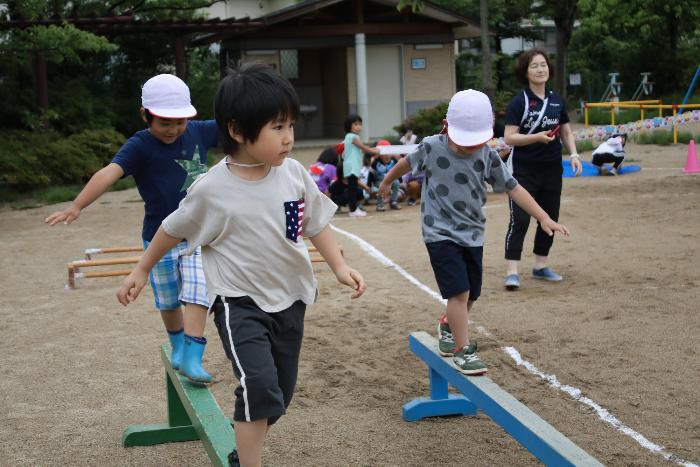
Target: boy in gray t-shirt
{"type": "Point", "coordinates": [456, 164]}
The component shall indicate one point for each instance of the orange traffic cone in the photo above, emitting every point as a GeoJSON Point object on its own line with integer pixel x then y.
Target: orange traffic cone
{"type": "Point", "coordinates": [691, 165]}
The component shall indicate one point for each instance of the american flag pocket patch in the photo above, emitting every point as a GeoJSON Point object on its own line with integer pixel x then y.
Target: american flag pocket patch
{"type": "Point", "coordinates": [294, 216]}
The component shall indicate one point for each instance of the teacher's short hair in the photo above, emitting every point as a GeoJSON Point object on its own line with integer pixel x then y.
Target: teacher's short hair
{"type": "Point", "coordinates": [523, 62]}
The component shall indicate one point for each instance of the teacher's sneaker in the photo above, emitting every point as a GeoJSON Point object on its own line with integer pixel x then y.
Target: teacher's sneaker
{"type": "Point", "coordinates": [446, 343]}
{"type": "Point", "coordinates": [512, 282]}
{"type": "Point", "coordinates": [467, 361]}
{"type": "Point", "coordinates": [546, 274]}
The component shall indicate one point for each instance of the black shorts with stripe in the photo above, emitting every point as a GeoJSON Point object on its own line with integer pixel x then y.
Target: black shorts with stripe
{"type": "Point", "coordinates": [264, 351]}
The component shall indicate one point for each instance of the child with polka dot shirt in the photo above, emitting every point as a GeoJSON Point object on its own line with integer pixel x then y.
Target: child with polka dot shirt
{"type": "Point", "coordinates": [456, 164]}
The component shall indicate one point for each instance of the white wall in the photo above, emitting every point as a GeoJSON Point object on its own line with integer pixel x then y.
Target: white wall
{"type": "Point", "coordinates": [243, 8]}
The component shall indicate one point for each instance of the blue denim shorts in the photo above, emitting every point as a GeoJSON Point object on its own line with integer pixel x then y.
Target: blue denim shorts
{"type": "Point", "coordinates": [178, 278]}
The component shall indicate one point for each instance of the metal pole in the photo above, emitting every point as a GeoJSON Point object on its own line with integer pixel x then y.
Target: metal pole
{"type": "Point", "coordinates": [361, 79]}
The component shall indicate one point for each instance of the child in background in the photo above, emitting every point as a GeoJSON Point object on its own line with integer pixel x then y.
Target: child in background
{"type": "Point", "coordinates": [380, 167]}
{"type": "Point", "coordinates": [408, 137]}
{"type": "Point", "coordinates": [325, 170]}
{"type": "Point", "coordinates": [164, 160]}
{"type": "Point", "coordinates": [413, 183]}
{"type": "Point", "coordinates": [456, 165]}
{"type": "Point", "coordinates": [366, 177]}
{"type": "Point", "coordinates": [352, 161]}
{"type": "Point", "coordinates": [612, 150]}
{"type": "Point", "coordinates": [249, 213]}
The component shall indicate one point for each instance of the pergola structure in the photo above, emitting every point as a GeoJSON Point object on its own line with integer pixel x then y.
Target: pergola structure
{"type": "Point", "coordinates": [124, 24]}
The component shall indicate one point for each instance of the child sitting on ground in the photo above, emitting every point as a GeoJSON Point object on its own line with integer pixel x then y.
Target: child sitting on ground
{"type": "Point", "coordinates": [456, 165]}
{"type": "Point", "coordinates": [380, 168]}
{"type": "Point", "coordinates": [612, 150]}
{"type": "Point", "coordinates": [164, 160]}
{"type": "Point", "coordinates": [325, 170]}
{"type": "Point", "coordinates": [249, 213]}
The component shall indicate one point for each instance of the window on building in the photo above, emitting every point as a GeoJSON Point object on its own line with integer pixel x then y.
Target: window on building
{"type": "Point", "coordinates": [289, 63]}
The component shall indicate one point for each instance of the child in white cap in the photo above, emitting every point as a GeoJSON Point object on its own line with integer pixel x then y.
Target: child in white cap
{"type": "Point", "coordinates": [457, 162]}
{"type": "Point", "coordinates": [164, 160]}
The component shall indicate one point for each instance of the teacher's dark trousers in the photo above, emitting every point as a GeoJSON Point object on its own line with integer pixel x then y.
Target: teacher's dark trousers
{"type": "Point", "coordinates": [544, 184]}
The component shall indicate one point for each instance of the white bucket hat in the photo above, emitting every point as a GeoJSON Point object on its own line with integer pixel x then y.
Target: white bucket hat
{"type": "Point", "coordinates": [470, 118]}
{"type": "Point", "coordinates": [167, 96]}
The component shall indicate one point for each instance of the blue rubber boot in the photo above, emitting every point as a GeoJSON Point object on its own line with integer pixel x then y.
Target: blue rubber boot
{"type": "Point", "coordinates": [191, 366]}
{"type": "Point", "coordinates": [177, 342]}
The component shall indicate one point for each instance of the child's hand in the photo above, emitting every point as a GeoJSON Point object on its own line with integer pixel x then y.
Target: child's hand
{"type": "Point", "coordinates": [549, 226]}
{"type": "Point", "coordinates": [66, 216]}
{"type": "Point", "coordinates": [351, 278]}
{"type": "Point", "coordinates": [544, 137]}
{"type": "Point", "coordinates": [132, 285]}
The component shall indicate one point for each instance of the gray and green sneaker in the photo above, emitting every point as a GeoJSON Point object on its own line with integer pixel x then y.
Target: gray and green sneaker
{"type": "Point", "coordinates": [467, 361]}
{"type": "Point", "coordinates": [446, 343]}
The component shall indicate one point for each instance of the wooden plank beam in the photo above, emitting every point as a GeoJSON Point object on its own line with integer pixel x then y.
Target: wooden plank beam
{"type": "Point", "coordinates": [526, 427]}
{"type": "Point", "coordinates": [193, 413]}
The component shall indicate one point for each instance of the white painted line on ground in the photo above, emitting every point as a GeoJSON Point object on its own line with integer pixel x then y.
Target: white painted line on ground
{"type": "Point", "coordinates": [602, 413]}
{"type": "Point", "coordinates": [573, 392]}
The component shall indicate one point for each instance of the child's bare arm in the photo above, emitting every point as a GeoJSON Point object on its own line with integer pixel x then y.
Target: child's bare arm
{"type": "Point", "coordinates": [399, 170]}
{"type": "Point", "coordinates": [364, 147]}
{"type": "Point", "coordinates": [134, 282]}
{"type": "Point", "coordinates": [327, 247]}
{"type": "Point", "coordinates": [98, 184]}
{"type": "Point", "coordinates": [523, 199]}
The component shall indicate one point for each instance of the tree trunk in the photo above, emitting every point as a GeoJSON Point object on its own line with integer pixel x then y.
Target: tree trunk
{"type": "Point", "coordinates": [41, 82]}
{"type": "Point", "coordinates": [486, 73]}
{"type": "Point", "coordinates": [564, 17]}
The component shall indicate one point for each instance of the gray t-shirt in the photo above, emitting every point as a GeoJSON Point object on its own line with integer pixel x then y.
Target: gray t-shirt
{"type": "Point", "coordinates": [454, 191]}
{"type": "Point", "coordinates": [251, 233]}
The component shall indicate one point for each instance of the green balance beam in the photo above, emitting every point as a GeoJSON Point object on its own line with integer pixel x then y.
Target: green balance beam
{"type": "Point", "coordinates": [193, 414]}
{"type": "Point", "coordinates": [526, 427]}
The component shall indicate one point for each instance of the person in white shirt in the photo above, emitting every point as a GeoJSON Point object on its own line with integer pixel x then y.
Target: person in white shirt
{"type": "Point", "coordinates": [610, 151]}
{"type": "Point", "coordinates": [249, 213]}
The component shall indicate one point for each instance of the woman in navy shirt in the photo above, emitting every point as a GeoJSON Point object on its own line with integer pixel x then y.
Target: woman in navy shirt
{"type": "Point", "coordinates": [536, 124]}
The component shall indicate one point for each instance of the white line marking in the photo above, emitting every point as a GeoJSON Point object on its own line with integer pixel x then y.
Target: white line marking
{"type": "Point", "coordinates": [574, 393]}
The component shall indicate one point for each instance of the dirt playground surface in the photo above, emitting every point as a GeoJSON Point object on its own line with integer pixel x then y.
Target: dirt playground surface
{"type": "Point", "coordinates": [623, 328]}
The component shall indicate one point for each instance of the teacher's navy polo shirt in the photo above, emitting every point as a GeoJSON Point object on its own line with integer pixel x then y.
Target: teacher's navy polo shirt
{"type": "Point", "coordinates": [537, 154]}
{"type": "Point", "coordinates": [163, 172]}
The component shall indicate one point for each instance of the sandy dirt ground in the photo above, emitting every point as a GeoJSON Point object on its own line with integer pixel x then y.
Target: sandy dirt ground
{"type": "Point", "coordinates": [623, 327]}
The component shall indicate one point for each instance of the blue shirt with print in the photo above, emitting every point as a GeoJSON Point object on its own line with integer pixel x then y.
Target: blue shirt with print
{"type": "Point", "coordinates": [163, 172]}
{"type": "Point", "coordinates": [537, 154]}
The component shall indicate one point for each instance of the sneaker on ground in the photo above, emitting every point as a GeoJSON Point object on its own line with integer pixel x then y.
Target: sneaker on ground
{"type": "Point", "coordinates": [381, 207]}
{"type": "Point", "coordinates": [394, 205]}
{"type": "Point", "coordinates": [546, 274]}
{"type": "Point", "coordinates": [446, 343]}
{"type": "Point", "coordinates": [467, 361]}
{"type": "Point", "coordinates": [512, 282]}
{"type": "Point", "coordinates": [357, 213]}
{"type": "Point", "coordinates": [411, 202]}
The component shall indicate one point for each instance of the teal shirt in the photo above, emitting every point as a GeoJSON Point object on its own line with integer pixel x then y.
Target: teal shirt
{"type": "Point", "coordinates": [352, 156]}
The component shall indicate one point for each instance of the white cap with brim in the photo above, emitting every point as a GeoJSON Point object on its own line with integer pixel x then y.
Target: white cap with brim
{"type": "Point", "coordinates": [470, 118]}
{"type": "Point", "coordinates": [167, 96]}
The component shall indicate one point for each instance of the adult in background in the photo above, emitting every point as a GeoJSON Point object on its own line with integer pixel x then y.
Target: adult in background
{"type": "Point", "coordinates": [536, 124]}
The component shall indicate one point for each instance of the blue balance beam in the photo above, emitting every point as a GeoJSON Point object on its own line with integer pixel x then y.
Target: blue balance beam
{"type": "Point", "coordinates": [533, 433]}
{"type": "Point", "coordinates": [193, 414]}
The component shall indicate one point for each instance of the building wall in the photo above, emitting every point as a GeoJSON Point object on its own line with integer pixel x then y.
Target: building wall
{"type": "Point", "coordinates": [432, 85]}
{"type": "Point", "coordinates": [437, 82]}
{"type": "Point", "coordinates": [246, 8]}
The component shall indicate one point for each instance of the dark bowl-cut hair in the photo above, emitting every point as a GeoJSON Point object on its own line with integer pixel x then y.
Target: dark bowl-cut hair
{"type": "Point", "coordinates": [352, 118]}
{"type": "Point", "coordinates": [522, 63]}
{"type": "Point", "coordinates": [250, 97]}
{"type": "Point", "coordinates": [328, 156]}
